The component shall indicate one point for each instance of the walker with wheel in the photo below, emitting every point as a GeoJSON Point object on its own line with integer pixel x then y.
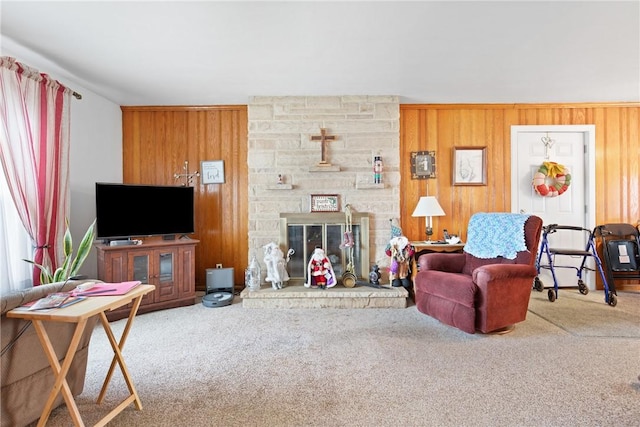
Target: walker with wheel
{"type": "Point", "coordinates": [551, 253]}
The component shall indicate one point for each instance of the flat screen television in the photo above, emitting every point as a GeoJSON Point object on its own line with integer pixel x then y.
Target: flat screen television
{"type": "Point", "coordinates": [133, 210]}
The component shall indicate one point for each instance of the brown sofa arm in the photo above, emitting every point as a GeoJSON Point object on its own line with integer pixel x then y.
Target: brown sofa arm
{"type": "Point", "coordinates": [26, 377]}
{"type": "Point", "coordinates": [503, 295]}
{"type": "Point", "coordinates": [17, 298]}
{"type": "Point", "coordinates": [483, 276]}
{"type": "Point", "coordinates": [448, 262]}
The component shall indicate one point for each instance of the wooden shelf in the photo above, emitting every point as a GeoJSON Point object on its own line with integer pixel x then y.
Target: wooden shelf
{"type": "Point", "coordinates": [280, 187]}
{"type": "Point", "coordinates": [332, 168]}
{"type": "Point", "coordinates": [369, 186]}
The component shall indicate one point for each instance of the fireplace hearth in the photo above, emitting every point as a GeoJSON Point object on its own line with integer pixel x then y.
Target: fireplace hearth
{"type": "Point", "coordinates": [297, 296]}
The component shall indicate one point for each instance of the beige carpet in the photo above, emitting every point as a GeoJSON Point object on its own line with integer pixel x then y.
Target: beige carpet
{"type": "Point", "coordinates": [229, 366]}
{"type": "Point", "coordinates": [589, 315]}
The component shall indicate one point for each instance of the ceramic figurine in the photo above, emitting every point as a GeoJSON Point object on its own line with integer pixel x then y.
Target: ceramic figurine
{"type": "Point", "coordinates": [401, 252]}
{"type": "Point", "coordinates": [377, 170]}
{"type": "Point", "coordinates": [319, 271]}
{"type": "Point", "coordinates": [276, 265]}
{"type": "Point", "coordinates": [374, 275]}
{"type": "Point", "coordinates": [252, 275]}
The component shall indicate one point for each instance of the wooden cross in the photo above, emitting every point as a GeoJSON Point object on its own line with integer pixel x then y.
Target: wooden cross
{"type": "Point", "coordinates": [323, 138]}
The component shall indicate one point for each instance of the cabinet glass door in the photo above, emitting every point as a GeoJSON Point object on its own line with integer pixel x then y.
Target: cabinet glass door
{"type": "Point", "coordinates": [166, 267]}
{"type": "Point", "coordinates": [141, 268]}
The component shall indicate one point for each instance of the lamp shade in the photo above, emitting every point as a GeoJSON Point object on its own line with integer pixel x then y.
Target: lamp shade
{"type": "Point", "coordinates": [428, 206]}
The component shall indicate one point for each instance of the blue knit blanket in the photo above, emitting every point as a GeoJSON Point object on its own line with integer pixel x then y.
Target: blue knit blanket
{"type": "Point", "coordinates": [490, 235]}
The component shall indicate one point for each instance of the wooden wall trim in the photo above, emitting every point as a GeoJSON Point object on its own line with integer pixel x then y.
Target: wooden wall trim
{"type": "Point", "coordinates": [130, 108]}
{"type": "Point", "coordinates": [517, 106]}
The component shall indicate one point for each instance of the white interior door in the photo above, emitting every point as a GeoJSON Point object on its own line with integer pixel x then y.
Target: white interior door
{"type": "Point", "coordinates": [573, 147]}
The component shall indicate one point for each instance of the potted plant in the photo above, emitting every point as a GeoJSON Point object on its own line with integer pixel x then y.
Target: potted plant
{"type": "Point", "coordinates": [69, 267]}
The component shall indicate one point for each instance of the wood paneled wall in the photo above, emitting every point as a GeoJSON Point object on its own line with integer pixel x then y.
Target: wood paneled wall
{"type": "Point", "coordinates": [156, 143]}
{"type": "Point", "coordinates": [440, 127]}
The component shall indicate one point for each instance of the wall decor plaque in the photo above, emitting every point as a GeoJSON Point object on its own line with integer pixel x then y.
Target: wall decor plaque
{"type": "Point", "coordinates": [423, 164]}
{"type": "Point", "coordinates": [212, 172]}
{"type": "Point", "coordinates": [325, 203]}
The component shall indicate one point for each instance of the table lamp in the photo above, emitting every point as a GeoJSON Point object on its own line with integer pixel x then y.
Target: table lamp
{"type": "Point", "coordinates": [428, 207]}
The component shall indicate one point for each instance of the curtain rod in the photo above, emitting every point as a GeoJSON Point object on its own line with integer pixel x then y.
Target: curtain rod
{"type": "Point", "coordinates": [9, 62]}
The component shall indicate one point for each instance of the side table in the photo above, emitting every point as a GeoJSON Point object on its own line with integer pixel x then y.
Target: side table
{"type": "Point", "coordinates": [80, 314]}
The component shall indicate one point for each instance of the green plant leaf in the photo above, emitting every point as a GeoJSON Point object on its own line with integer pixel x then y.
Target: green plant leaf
{"type": "Point", "coordinates": [64, 269]}
{"type": "Point", "coordinates": [68, 268]}
{"type": "Point", "coordinates": [58, 275]}
{"type": "Point", "coordinates": [83, 249]}
{"type": "Point", "coordinates": [67, 243]}
{"type": "Point", "coordinates": [45, 275]}
{"type": "Point", "coordinates": [45, 278]}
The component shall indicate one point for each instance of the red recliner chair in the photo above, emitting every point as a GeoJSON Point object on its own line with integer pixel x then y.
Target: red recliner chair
{"type": "Point", "coordinates": [487, 287]}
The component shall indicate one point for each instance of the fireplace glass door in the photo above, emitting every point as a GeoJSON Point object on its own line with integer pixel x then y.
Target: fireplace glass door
{"type": "Point", "coordinates": [306, 232]}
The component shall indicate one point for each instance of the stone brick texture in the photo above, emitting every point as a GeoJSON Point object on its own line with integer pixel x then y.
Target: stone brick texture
{"type": "Point", "coordinates": [280, 130]}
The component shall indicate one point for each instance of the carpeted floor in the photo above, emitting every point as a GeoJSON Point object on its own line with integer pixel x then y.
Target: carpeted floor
{"type": "Point", "coordinates": [232, 366]}
{"type": "Point", "coordinates": [589, 315]}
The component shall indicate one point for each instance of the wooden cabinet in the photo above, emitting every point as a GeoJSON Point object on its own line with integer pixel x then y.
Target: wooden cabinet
{"type": "Point", "coordinates": [169, 265]}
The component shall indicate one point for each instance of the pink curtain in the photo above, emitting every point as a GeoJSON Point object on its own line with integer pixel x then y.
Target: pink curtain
{"type": "Point", "coordinates": [34, 145]}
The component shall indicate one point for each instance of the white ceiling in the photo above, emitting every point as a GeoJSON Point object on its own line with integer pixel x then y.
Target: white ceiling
{"type": "Point", "coordinates": [216, 53]}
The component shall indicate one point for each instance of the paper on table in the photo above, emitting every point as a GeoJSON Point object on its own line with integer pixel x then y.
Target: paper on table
{"type": "Point", "coordinates": [53, 300]}
{"type": "Point", "coordinates": [107, 289]}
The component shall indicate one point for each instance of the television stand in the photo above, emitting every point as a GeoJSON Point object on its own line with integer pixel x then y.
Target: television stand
{"type": "Point", "coordinates": [169, 265]}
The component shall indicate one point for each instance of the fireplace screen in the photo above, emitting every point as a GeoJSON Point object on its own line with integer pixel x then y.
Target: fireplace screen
{"type": "Point", "coordinates": [304, 232]}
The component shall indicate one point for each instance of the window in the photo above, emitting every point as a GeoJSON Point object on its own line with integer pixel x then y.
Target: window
{"type": "Point", "coordinates": [15, 245]}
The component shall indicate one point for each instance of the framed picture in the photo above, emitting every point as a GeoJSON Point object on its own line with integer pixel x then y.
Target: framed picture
{"type": "Point", "coordinates": [324, 203]}
{"type": "Point", "coordinates": [212, 172]}
{"type": "Point", "coordinates": [423, 164]}
{"type": "Point", "coordinates": [469, 165]}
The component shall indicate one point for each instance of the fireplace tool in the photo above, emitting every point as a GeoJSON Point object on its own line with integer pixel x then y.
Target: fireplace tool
{"type": "Point", "coordinates": [348, 277]}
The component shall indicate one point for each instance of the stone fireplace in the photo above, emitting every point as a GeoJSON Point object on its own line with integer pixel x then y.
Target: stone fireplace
{"type": "Point", "coordinates": [284, 168]}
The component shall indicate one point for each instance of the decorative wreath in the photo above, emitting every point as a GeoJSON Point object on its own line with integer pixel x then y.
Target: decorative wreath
{"type": "Point", "coordinates": [560, 179]}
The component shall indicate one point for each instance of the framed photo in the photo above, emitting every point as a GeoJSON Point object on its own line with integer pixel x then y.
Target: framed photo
{"type": "Point", "coordinates": [325, 203]}
{"type": "Point", "coordinates": [212, 172]}
{"type": "Point", "coordinates": [469, 165]}
{"type": "Point", "coordinates": [423, 164]}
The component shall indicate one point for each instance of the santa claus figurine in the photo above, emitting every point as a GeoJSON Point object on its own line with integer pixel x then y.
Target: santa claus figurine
{"type": "Point", "coordinates": [319, 271]}
{"type": "Point", "coordinates": [401, 252]}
